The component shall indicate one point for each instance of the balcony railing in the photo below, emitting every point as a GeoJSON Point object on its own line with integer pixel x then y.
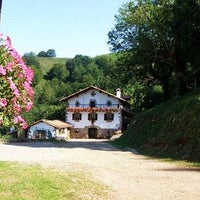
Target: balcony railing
{"type": "Point", "coordinates": [96, 108]}
{"type": "Point", "coordinates": [91, 106]}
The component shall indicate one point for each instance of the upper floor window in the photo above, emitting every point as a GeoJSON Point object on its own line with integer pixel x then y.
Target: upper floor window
{"type": "Point", "coordinates": [108, 116]}
{"type": "Point", "coordinates": [109, 103]}
{"type": "Point", "coordinates": [76, 116]}
{"type": "Point", "coordinates": [77, 104]}
{"type": "Point", "coordinates": [92, 116]}
{"type": "Point", "coordinates": [92, 103]}
{"type": "Point", "coordinates": [93, 93]}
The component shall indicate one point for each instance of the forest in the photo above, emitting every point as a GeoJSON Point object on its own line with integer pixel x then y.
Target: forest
{"type": "Point", "coordinates": [154, 57]}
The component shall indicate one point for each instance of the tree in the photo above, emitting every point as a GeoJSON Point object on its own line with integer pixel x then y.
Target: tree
{"type": "Point", "coordinates": [42, 54]}
{"type": "Point", "coordinates": [57, 71]}
{"type": "Point", "coordinates": [185, 28]}
{"type": "Point", "coordinates": [146, 33]}
{"type": "Point", "coordinates": [16, 93]}
{"type": "Point", "coordinates": [77, 61]}
{"type": "Point", "coordinates": [31, 60]}
{"type": "Point", "coordinates": [51, 53]}
{"type": "Point", "coordinates": [142, 33]}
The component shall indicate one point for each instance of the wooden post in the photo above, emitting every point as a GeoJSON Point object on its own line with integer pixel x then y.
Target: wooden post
{"type": "Point", "coordinates": [0, 10]}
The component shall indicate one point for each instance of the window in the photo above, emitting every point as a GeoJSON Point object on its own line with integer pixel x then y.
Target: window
{"type": "Point", "coordinates": [109, 103]}
{"type": "Point", "coordinates": [77, 116]}
{"type": "Point", "coordinates": [93, 93]}
{"type": "Point", "coordinates": [77, 104]}
{"type": "Point", "coordinates": [92, 103]}
{"type": "Point", "coordinates": [108, 116]}
{"type": "Point", "coordinates": [92, 116]}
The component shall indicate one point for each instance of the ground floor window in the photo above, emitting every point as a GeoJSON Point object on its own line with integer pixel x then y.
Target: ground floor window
{"type": "Point", "coordinates": [77, 116]}
{"type": "Point", "coordinates": [92, 116]}
{"type": "Point", "coordinates": [108, 116]}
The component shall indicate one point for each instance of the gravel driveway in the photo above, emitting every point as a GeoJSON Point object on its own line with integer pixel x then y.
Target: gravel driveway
{"type": "Point", "coordinates": [131, 176]}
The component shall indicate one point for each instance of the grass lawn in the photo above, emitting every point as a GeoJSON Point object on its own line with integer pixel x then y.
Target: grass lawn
{"type": "Point", "coordinates": [18, 182]}
{"type": "Point", "coordinates": [47, 63]}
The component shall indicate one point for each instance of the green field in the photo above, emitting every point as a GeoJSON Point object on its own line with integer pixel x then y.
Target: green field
{"type": "Point", "coordinates": [47, 63]}
{"type": "Point", "coordinates": [25, 182]}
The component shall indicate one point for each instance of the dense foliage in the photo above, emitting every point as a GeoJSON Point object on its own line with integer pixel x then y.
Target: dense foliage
{"type": "Point", "coordinates": [159, 43]}
{"type": "Point", "coordinates": [49, 53]}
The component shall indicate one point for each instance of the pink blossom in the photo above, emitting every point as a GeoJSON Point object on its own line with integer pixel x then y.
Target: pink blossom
{"type": "Point", "coordinates": [10, 67]}
{"type": "Point", "coordinates": [16, 92]}
{"type": "Point", "coordinates": [29, 74]}
{"type": "Point", "coordinates": [24, 125]}
{"type": "Point", "coordinates": [13, 88]}
{"type": "Point", "coordinates": [28, 88]}
{"type": "Point", "coordinates": [8, 42]}
{"type": "Point", "coordinates": [12, 85]}
{"type": "Point", "coordinates": [3, 102]}
{"type": "Point", "coordinates": [29, 105]}
{"type": "Point", "coordinates": [18, 119]}
{"type": "Point", "coordinates": [2, 71]}
{"type": "Point", "coordinates": [17, 107]}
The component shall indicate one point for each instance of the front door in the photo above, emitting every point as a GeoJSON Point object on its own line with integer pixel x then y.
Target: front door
{"type": "Point", "coordinates": [92, 133]}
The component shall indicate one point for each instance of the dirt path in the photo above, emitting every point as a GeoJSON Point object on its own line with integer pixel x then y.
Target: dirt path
{"type": "Point", "coordinates": [131, 176]}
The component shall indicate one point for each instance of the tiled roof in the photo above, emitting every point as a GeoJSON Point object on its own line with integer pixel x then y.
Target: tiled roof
{"type": "Point", "coordinates": [55, 123]}
{"type": "Point", "coordinates": [88, 88]}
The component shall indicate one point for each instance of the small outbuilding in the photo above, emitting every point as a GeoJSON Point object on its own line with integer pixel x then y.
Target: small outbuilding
{"type": "Point", "coordinates": [48, 129]}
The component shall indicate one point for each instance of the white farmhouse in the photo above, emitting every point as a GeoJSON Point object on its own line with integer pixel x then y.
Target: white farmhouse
{"type": "Point", "coordinates": [95, 113]}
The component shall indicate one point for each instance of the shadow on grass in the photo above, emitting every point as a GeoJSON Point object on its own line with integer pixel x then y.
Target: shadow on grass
{"type": "Point", "coordinates": [181, 169]}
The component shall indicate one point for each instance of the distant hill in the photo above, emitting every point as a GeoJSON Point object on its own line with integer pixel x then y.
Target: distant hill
{"type": "Point", "coordinates": [170, 130]}
{"type": "Point", "coordinates": [47, 63]}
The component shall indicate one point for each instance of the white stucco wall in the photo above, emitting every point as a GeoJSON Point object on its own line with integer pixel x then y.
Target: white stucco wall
{"type": "Point", "coordinates": [115, 124]}
{"type": "Point", "coordinates": [39, 126]}
{"type": "Point", "coordinates": [100, 98]}
{"type": "Point", "coordinates": [43, 126]}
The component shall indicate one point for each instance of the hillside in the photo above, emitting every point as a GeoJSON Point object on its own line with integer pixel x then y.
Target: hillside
{"type": "Point", "coordinates": [170, 130]}
{"type": "Point", "coordinates": [47, 63]}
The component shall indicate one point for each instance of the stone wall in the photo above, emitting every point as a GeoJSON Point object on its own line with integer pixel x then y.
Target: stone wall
{"type": "Point", "coordinates": [83, 133]}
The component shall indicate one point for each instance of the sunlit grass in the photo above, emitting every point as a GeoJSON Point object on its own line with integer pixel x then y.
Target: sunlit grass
{"type": "Point", "coordinates": [169, 130]}
{"type": "Point", "coordinates": [18, 182]}
{"type": "Point", "coordinates": [47, 63]}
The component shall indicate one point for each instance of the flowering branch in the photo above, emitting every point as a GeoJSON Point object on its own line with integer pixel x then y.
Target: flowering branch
{"type": "Point", "coordinates": [16, 93]}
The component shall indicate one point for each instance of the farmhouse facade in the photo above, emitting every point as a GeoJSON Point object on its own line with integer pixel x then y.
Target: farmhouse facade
{"type": "Point", "coordinates": [95, 113]}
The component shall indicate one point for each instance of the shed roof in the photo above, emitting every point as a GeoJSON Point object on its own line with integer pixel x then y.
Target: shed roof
{"type": "Point", "coordinates": [55, 123]}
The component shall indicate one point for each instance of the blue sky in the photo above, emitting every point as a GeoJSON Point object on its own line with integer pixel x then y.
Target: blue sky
{"type": "Point", "coordinates": [70, 27]}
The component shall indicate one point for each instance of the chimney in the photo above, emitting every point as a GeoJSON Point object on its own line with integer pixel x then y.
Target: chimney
{"type": "Point", "coordinates": [118, 92]}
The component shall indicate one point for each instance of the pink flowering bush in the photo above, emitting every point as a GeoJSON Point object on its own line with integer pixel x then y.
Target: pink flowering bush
{"type": "Point", "coordinates": [16, 93]}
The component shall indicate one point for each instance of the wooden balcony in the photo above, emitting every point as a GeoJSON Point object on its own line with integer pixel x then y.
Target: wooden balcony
{"type": "Point", "coordinates": [96, 108]}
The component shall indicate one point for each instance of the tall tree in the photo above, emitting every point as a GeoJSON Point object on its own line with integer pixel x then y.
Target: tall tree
{"type": "Point", "coordinates": [142, 32]}
{"type": "Point", "coordinates": [147, 32]}
{"type": "Point", "coordinates": [185, 27]}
